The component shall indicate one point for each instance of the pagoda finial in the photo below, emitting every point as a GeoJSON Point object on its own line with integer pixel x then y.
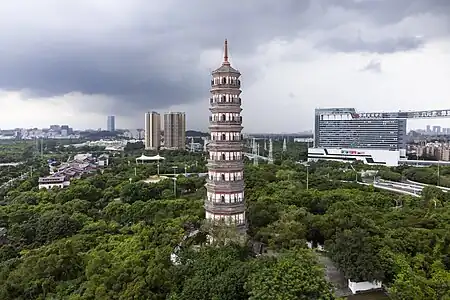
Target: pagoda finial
{"type": "Point", "coordinates": [225, 55]}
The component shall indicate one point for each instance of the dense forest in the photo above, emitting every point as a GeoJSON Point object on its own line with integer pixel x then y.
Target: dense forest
{"type": "Point", "coordinates": [104, 237]}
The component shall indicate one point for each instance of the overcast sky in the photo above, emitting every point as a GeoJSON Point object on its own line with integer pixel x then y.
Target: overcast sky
{"type": "Point", "coordinates": [76, 61]}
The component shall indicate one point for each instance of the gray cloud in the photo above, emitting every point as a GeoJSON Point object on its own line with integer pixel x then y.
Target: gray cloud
{"type": "Point", "coordinates": [384, 12]}
{"type": "Point", "coordinates": [146, 55]}
{"type": "Point", "coordinates": [389, 45]}
{"type": "Point", "coordinates": [374, 65]}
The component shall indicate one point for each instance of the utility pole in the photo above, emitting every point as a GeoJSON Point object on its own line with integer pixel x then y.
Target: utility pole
{"type": "Point", "coordinates": [36, 141]}
{"type": "Point", "coordinates": [254, 152]}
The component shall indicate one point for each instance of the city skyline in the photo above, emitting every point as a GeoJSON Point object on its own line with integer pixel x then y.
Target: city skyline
{"type": "Point", "coordinates": [371, 55]}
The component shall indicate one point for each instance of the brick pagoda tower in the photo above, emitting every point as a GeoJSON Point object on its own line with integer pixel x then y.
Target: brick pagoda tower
{"type": "Point", "coordinates": [225, 184]}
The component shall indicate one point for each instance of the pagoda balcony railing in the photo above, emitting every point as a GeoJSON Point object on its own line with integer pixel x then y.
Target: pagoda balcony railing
{"type": "Point", "coordinates": [224, 185]}
{"type": "Point", "coordinates": [211, 122]}
{"type": "Point", "coordinates": [235, 120]}
{"type": "Point", "coordinates": [225, 146]}
{"type": "Point", "coordinates": [236, 85]}
{"type": "Point", "coordinates": [226, 142]}
{"type": "Point", "coordinates": [226, 164]}
{"type": "Point", "coordinates": [225, 207]}
{"type": "Point", "coordinates": [222, 101]}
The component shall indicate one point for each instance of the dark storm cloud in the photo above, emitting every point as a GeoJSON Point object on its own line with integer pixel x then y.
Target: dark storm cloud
{"type": "Point", "coordinates": [147, 60]}
{"type": "Point", "coordinates": [146, 53]}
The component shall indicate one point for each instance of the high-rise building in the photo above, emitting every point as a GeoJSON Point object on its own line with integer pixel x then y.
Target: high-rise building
{"type": "Point", "coordinates": [225, 184]}
{"type": "Point", "coordinates": [152, 130]}
{"type": "Point", "coordinates": [345, 128]}
{"type": "Point", "coordinates": [342, 134]}
{"type": "Point", "coordinates": [175, 130]}
{"type": "Point", "coordinates": [436, 129]}
{"type": "Point", "coordinates": [111, 124]}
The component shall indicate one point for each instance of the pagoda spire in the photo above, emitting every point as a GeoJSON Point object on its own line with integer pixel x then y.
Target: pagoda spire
{"type": "Point", "coordinates": [225, 54]}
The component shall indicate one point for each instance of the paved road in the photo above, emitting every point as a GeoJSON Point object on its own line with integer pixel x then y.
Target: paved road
{"type": "Point", "coordinates": [400, 187]}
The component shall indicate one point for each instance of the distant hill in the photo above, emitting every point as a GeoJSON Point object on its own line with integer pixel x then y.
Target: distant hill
{"type": "Point", "coordinates": [195, 133]}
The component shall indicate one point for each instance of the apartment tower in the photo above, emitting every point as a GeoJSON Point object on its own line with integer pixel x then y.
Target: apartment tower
{"type": "Point", "coordinates": [152, 130]}
{"type": "Point", "coordinates": [225, 184]}
{"type": "Point", "coordinates": [175, 130]}
{"type": "Point", "coordinates": [111, 123]}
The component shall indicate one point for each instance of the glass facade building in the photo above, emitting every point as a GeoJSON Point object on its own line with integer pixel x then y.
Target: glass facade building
{"type": "Point", "coordinates": [345, 128]}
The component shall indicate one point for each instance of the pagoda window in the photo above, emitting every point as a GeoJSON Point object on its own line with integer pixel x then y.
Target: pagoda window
{"type": "Point", "coordinates": [223, 156]}
{"type": "Point", "coordinates": [223, 137]}
{"type": "Point", "coordinates": [224, 117]}
{"type": "Point", "coordinates": [223, 177]}
{"type": "Point", "coordinates": [223, 199]}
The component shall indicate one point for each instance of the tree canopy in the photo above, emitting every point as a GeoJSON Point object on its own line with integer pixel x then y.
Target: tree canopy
{"type": "Point", "coordinates": [104, 237]}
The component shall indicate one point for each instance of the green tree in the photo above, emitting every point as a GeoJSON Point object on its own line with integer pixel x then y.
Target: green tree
{"type": "Point", "coordinates": [293, 275]}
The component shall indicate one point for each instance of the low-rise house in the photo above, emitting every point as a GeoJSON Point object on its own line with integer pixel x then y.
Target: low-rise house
{"type": "Point", "coordinates": [103, 160]}
{"type": "Point", "coordinates": [83, 164]}
{"type": "Point", "coordinates": [56, 179]}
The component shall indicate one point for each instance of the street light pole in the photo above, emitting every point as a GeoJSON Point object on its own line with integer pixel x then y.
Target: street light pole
{"type": "Point", "coordinates": [307, 177]}
{"type": "Point", "coordinates": [439, 173]}
{"type": "Point", "coordinates": [175, 180]}
{"type": "Point", "coordinates": [175, 187]}
{"type": "Point", "coordinates": [356, 177]}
